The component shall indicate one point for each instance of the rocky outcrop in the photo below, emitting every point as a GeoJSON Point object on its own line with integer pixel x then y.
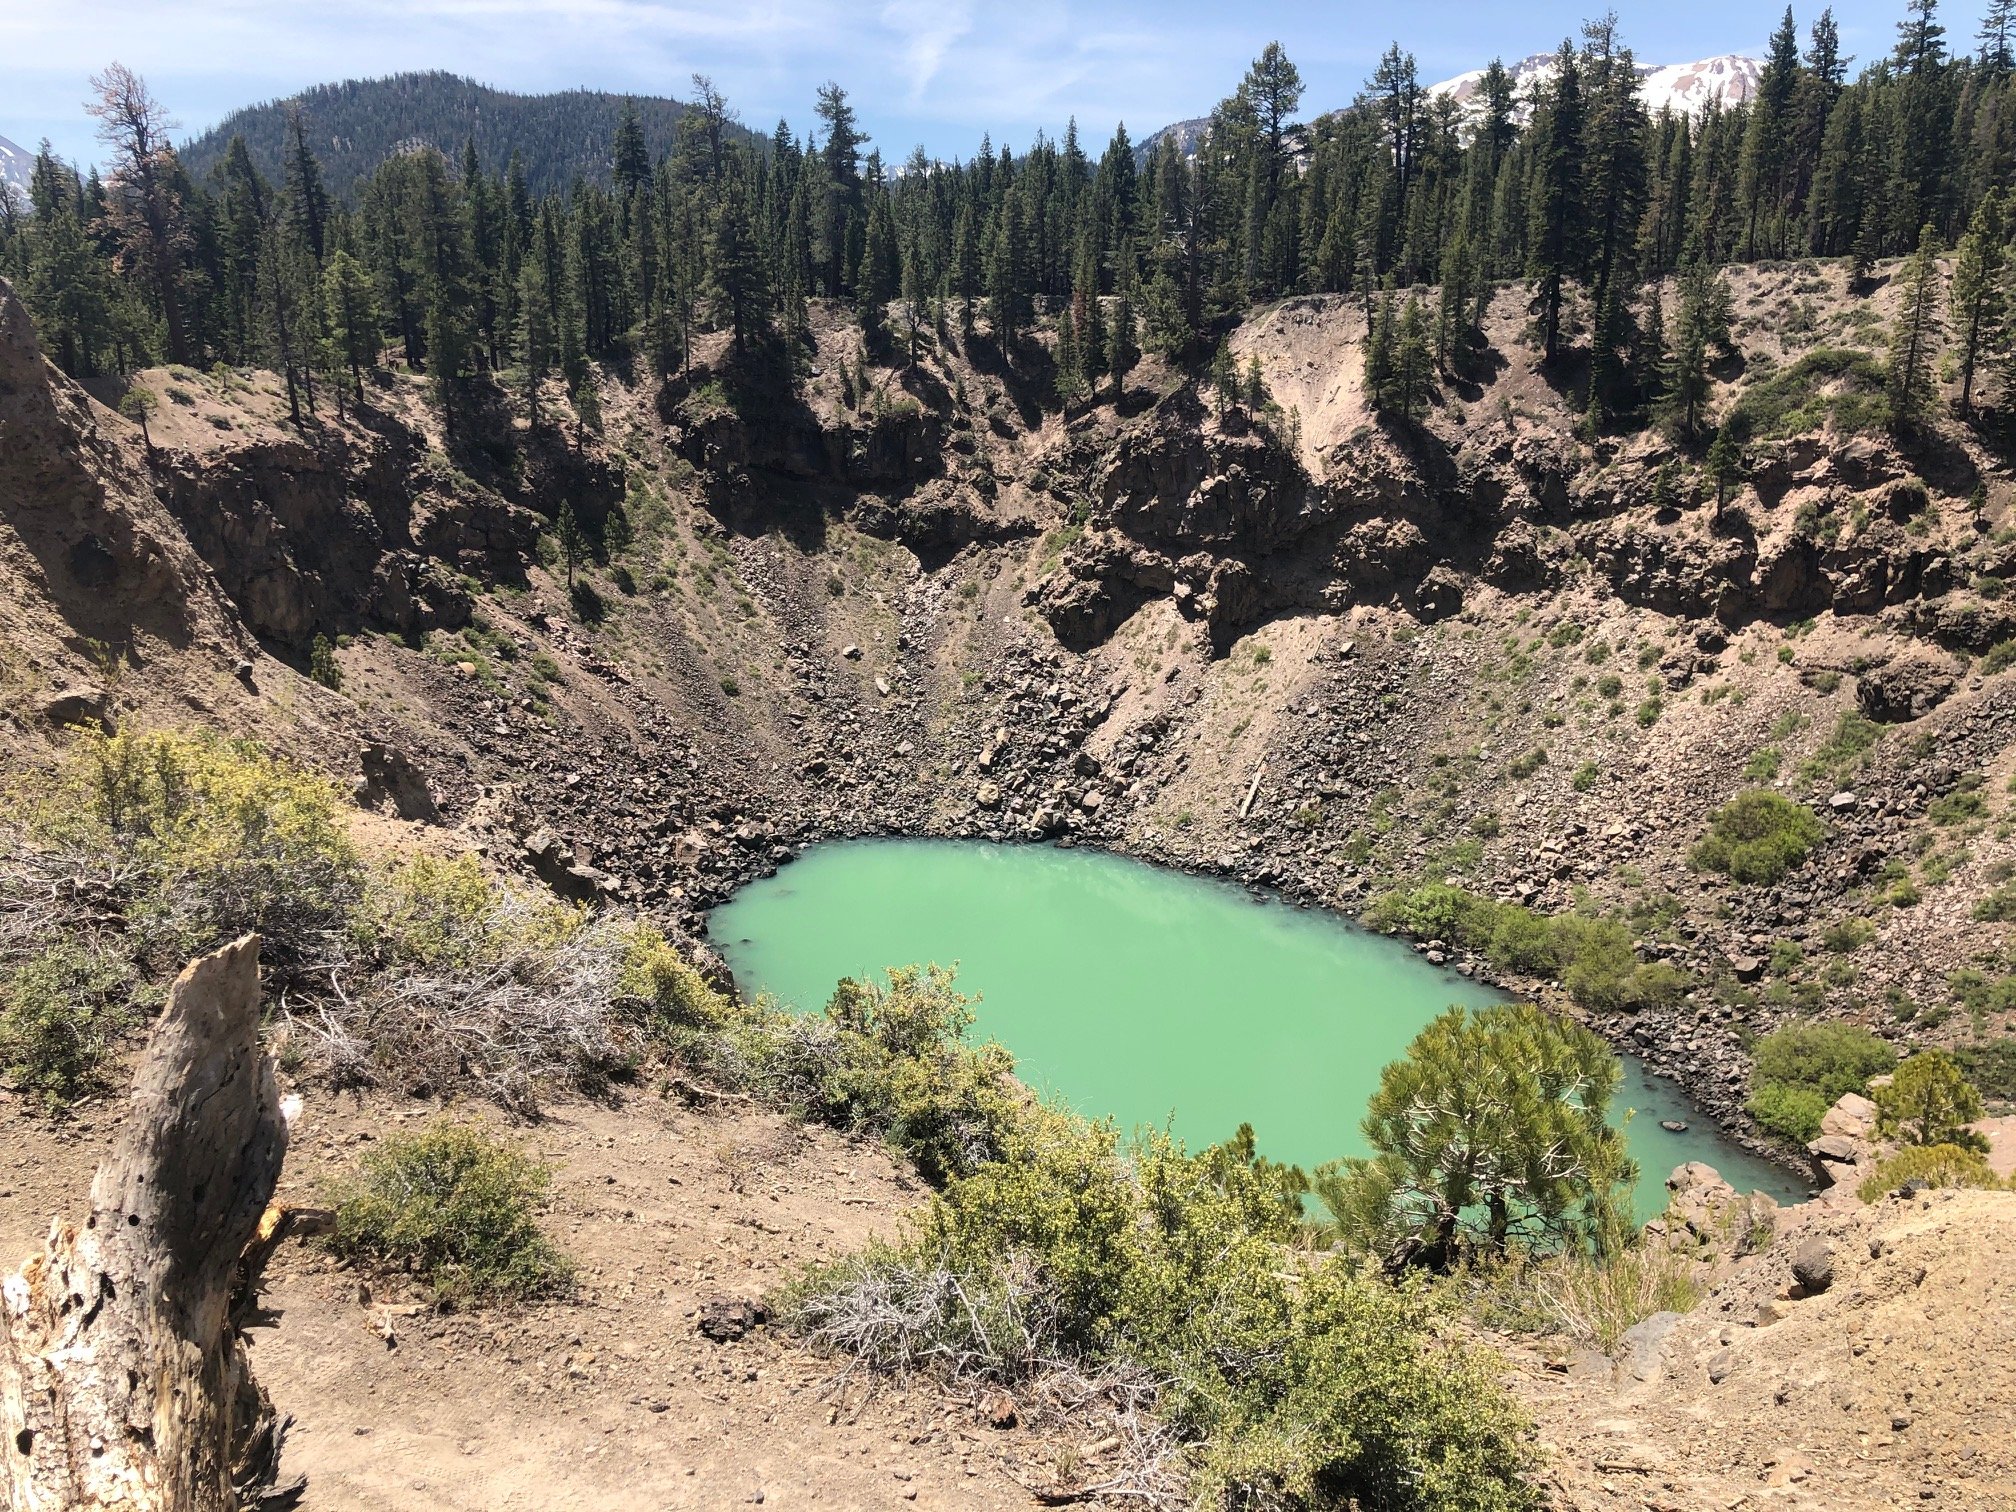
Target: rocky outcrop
{"type": "Point", "coordinates": [88, 557]}
{"type": "Point", "coordinates": [333, 533]}
{"type": "Point", "coordinates": [1906, 689]}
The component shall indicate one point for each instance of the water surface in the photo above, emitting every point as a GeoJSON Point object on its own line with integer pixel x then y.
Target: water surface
{"type": "Point", "coordinates": [1149, 995]}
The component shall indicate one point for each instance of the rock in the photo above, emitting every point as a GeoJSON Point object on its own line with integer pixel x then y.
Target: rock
{"type": "Point", "coordinates": [726, 1319]}
{"type": "Point", "coordinates": [882, 686]}
{"type": "Point", "coordinates": [1644, 1345]}
{"type": "Point", "coordinates": [76, 704]}
{"type": "Point", "coordinates": [1842, 801]}
{"type": "Point", "coordinates": [1837, 1157]}
{"type": "Point", "coordinates": [1813, 1266]}
{"type": "Point", "coordinates": [1748, 968]}
{"type": "Point", "coordinates": [390, 777]}
{"type": "Point", "coordinates": [1720, 1366]}
{"type": "Point", "coordinates": [1908, 688]}
{"type": "Point", "coordinates": [1091, 801]}
{"type": "Point", "coordinates": [852, 653]}
{"type": "Point", "coordinates": [1852, 1114]}
{"type": "Point", "coordinates": [988, 795]}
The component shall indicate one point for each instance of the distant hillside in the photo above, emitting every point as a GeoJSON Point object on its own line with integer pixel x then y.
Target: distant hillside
{"type": "Point", "coordinates": [355, 124]}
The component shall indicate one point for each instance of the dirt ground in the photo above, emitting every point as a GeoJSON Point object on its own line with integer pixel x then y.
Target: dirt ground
{"type": "Point", "coordinates": [1893, 1387]}
{"type": "Point", "coordinates": [613, 1401]}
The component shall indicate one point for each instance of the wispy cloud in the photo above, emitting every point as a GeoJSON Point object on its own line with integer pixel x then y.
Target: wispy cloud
{"type": "Point", "coordinates": [926, 31]}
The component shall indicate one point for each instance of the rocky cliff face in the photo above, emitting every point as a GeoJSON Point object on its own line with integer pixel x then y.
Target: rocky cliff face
{"type": "Point", "coordinates": [95, 575]}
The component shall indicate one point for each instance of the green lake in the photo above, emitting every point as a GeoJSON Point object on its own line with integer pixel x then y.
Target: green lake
{"type": "Point", "coordinates": [1150, 995]}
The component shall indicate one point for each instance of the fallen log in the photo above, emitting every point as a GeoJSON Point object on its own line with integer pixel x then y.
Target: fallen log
{"type": "Point", "coordinates": [123, 1379]}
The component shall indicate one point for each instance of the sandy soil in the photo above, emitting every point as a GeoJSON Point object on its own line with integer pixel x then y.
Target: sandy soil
{"type": "Point", "coordinates": [614, 1400]}
{"type": "Point", "coordinates": [1893, 1387]}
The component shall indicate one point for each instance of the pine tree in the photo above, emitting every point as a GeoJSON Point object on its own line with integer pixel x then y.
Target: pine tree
{"type": "Point", "coordinates": [1382, 357]}
{"type": "Point", "coordinates": [307, 195]}
{"type": "Point", "coordinates": [1254, 393]}
{"type": "Point", "coordinates": [1978, 301]}
{"type": "Point", "coordinates": [1123, 349]}
{"type": "Point", "coordinates": [877, 279]}
{"type": "Point", "coordinates": [572, 540]}
{"type": "Point", "coordinates": [1413, 361]}
{"type": "Point", "coordinates": [1998, 39]}
{"type": "Point", "coordinates": [144, 209]}
{"type": "Point", "coordinates": [1555, 206]}
{"type": "Point", "coordinates": [352, 309]}
{"type": "Point", "coordinates": [1915, 339]}
{"type": "Point", "coordinates": [1224, 380]}
{"type": "Point", "coordinates": [1699, 334]}
{"type": "Point", "coordinates": [1725, 465]}
{"type": "Point", "coordinates": [740, 285]}
{"type": "Point", "coordinates": [535, 335]}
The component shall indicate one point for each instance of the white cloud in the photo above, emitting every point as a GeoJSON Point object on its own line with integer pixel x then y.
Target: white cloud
{"type": "Point", "coordinates": [927, 30]}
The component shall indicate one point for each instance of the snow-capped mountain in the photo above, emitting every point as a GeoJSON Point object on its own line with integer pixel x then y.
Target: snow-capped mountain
{"type": "Point", "coordinates": [17, 166]}
{"type": "Point", "coordinates": [1684, 88]}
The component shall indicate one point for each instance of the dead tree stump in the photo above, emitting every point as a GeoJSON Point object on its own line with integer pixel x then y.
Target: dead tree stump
{"type": "Point", "coordinates": [123, 1381]}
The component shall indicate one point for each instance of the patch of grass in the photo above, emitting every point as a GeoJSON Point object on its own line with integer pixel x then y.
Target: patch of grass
{"type": "Point", "coordinates": [1852, 738]}
{"type": "Point", "coordinates": [456, 1209]}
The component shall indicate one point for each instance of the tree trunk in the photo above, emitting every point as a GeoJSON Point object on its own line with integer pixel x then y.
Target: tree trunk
{"type": "Point", "coordinates": [123, 1382]}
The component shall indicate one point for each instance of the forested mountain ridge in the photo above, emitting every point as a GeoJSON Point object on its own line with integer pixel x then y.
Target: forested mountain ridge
{"type": "Point", "coordinates": [355, 125]}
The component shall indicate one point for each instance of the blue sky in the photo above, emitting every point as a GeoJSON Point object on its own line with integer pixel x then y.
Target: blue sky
{"type": "Point", "coordinates": [935, 72]}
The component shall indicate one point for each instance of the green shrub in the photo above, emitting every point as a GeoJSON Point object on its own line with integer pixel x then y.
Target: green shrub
{"type": "Point", "coordinates": [1295, 1381]}
{"type": "Point", "coordinates": [1839, 384]}
{"type": "Point", "coordinates": [1997, 907]}
{"type": "Point", "coordinates": [1794, 1112]}
{"type": "Point", "coordinates": [322, 666]}
{"type": "Point", "coordinates": [454, 1208]}
{"type": "Point", "coordinates": [1586, 777]}
{"type": "Point", "coordinates": [1800, 1071]}
{"type": "Point", "coordinates": [1593, 958]}
{"type": "Point", "coordinates": [1999, 657]}
{"type": "Point", "coordinates": [1940, 1165]}
{"type": "Point", "coordinates": [1846, 936]}
{"type": "Point", "coordinates": [1757, 837]}
{"type": "Point", "coordinates": [62, 1011]}
{"type": "Point", "coordinates": [1991, 1066]}
{"type": "Point", "coordinates": [215, 838]}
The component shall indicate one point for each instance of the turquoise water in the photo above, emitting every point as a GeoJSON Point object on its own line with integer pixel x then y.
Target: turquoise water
{"type": "Point", "coordinates": [1155, 997]}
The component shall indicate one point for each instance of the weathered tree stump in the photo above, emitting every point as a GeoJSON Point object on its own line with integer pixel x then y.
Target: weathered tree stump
{"type": "Point", "coordinates": [123, 1381]}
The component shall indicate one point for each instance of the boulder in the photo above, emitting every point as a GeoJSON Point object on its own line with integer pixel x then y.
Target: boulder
{"type": "Point", "coordinates": [726, 1319]}
{"type": "Point", "coordinates": [1853, 1115]}
{"type": "Point", "coordinates": [1813, 1266]}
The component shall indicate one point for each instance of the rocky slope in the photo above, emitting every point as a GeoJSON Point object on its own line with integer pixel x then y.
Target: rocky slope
{"type": "Point", "coordinates": [1472, 647]}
